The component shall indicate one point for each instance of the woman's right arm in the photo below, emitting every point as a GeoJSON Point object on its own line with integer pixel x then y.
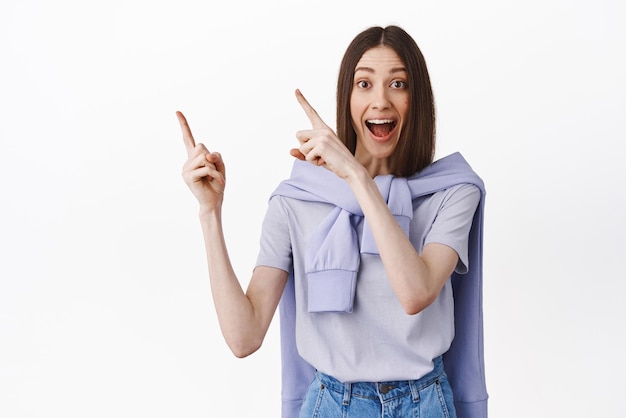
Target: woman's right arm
{"type": "Point", "coordinates": [244, 317]}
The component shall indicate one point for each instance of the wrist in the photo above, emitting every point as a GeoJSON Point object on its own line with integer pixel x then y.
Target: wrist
{"type": "Point", "coordinates": [210, 211]}
{"type": "Point", "coordinates": [358, 175]}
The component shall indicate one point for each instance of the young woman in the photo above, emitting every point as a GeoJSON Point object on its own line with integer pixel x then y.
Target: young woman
{"type": "Point", "coordinates": [365, 244]}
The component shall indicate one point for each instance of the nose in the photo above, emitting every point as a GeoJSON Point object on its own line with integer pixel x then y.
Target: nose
{"type": "Point", "coordinates": [379, 98]}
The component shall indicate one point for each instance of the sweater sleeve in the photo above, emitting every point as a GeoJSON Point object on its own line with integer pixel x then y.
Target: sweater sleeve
{"type": "Point", "coordinates": [275, 251]}
{"type": "Point", "coordinates": [464, 361]}
{"type": "Point", "coordinates": [297, 374]}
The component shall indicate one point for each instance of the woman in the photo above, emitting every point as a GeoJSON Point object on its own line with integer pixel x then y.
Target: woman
{"type": "Point", "coordinates": [361, 244]}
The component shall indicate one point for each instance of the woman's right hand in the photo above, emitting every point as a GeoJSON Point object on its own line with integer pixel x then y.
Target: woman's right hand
{"type": "Point", "coordinates": [204, 171]}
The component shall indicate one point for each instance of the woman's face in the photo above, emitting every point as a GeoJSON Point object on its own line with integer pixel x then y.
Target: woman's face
{"type": "Point", "coordinates": [379, 106]}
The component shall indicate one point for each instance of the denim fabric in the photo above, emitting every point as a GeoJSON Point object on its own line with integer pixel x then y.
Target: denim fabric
{"type": "Point", "coordinates": [428, 397]}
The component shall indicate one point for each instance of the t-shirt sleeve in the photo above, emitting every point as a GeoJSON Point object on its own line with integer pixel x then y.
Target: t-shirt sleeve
{"type": "Point", "coordinates": [454, 221]}
{"type": "Point", "coordinates": [275, 242]}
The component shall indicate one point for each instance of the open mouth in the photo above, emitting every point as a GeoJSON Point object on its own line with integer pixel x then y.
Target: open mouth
{"type": "Point", "coordinates": [380, 127]}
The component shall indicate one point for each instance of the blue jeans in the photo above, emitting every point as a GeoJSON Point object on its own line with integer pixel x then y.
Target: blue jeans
{"type": "Point", "coordinates": [428, 397]}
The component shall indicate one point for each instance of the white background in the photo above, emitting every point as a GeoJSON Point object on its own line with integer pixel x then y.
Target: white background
{"type": "Point", "coordinates": [105, 308]}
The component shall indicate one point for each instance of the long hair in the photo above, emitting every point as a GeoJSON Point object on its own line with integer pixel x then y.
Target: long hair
{"type": "Point", "coordinates": [416, 146]}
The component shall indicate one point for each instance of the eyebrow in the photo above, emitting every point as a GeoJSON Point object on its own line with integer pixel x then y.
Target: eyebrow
{"type": "Point", "coordinates": [371, 70]}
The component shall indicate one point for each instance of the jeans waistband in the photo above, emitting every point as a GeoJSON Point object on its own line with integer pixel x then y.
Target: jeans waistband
{"type": "Point", "coordinates": [383, 390]}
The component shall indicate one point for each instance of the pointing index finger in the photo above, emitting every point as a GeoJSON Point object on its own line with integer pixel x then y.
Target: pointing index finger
{"type": "Point", "coordinates": [311, 113]}
{"type": "Point", "coordinates": [190, 144]}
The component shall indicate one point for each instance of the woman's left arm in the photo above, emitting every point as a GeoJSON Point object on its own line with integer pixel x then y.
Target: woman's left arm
{"type": "Point", "coordinates": [416, 279]}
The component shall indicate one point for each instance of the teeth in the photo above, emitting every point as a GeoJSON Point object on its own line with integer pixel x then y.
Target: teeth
{"type": "Point", "coordinates": [379, 121]}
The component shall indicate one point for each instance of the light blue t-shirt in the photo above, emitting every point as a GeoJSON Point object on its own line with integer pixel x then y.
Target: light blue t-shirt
{"type": "Point", "coordinates": [377, 341]}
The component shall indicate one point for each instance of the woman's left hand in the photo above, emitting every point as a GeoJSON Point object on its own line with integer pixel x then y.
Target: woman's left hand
{"type": "Point", "coordinates": [321, 146]}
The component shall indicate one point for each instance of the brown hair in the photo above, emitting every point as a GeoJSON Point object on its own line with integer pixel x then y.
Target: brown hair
{"type": "Point", "coordinates": [416, 147]}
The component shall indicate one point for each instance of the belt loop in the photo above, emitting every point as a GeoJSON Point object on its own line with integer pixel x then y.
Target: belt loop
{"type": "Point", "coordinates": [347, 392]}
{"type": "Point", "coordinates": [415, 393]}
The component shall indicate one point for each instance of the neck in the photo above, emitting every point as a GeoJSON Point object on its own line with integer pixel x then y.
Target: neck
{"type": "Point", "coordinates": [374, 166]}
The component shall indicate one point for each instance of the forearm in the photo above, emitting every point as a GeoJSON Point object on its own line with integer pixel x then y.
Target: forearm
{"type": "Point", "coordinates": [408, 273]}
{"type": "Point", "coordinates": [235, 312]}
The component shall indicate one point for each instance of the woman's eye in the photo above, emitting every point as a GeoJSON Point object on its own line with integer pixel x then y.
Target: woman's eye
{"type": "Point", "coordinates": [398, 84]}
{"type": "Point", "coordinates": [363, 84]}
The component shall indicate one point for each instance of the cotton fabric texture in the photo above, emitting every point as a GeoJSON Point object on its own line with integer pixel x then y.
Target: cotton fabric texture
{"type": "Point", "coordinates": [464, 360]}
{"type": "Point", "coordinates": [365, 334]}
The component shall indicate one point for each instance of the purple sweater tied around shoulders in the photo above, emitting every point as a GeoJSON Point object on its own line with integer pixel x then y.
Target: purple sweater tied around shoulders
{"type": "Point", "coordinates": [332, 262]}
